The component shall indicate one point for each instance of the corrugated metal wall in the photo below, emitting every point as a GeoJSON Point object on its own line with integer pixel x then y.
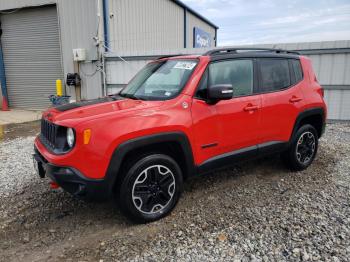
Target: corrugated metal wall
{"type": "Point", "coordinates": [338, 102]}
{"type": "Point", "coordinates": [193, 21]}
{"type": "Point", "coordinates": [120, 72]}
{"type": "Point", "coordinates": [331, 62]}
{"type": "Point", "coordinates": [137, 26]}
{"type": "Point", "coordinates": [78, 25]}
{"type": "Point", "coordinates": [12, 4]}
{"type": "Point", "coordinates": [31, 66]}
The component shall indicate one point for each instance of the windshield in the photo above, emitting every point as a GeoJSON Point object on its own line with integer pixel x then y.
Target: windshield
{"type": "Point", "coordinates": [160, 80]}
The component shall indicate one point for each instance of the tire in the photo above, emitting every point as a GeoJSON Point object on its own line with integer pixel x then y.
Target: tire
{"type": "Point", "coordinates": [303, 148]}
{"type": "Point", "coordinates": [151, 188]}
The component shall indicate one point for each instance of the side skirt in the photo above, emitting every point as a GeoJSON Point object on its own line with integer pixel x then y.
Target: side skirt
{"type": "Point", "coordinates": [244, 154]}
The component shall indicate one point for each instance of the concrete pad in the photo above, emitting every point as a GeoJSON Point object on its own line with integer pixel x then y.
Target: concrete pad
{"type": "Point", "coordinates": [15, 116]}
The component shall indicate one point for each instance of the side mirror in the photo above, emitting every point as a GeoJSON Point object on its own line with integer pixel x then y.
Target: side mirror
{"type": "Point", "coordinates": [220, 92]}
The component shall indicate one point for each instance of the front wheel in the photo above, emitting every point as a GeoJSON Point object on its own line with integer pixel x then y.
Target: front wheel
{"type": "Point", "coordinates": [151, 188]}
{"type": "Point", "coordinates": [302, 149]}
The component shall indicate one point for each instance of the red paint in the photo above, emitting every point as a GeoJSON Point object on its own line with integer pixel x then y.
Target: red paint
{"type": "Point", "coordinates": [231, 124]}
{"type": "Point", "coordinates": [54, 185]}
{"type": "Point", "coordinates": [5, 106]}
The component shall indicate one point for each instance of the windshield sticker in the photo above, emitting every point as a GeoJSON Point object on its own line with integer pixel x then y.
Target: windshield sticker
{"type": "Point", "coordinates": [185, 65]}
{"type": "Point", "coordinates": [168, 93]}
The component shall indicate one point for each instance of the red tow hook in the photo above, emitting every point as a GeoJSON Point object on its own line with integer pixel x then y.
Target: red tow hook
{"type": "Point", "coordinates": [54, 185]}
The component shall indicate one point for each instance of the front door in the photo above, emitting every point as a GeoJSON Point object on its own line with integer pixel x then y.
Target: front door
{"type": "Point", "coordinates": [229, 125]}
{"type": "Point", "coordinates": [239, 116]}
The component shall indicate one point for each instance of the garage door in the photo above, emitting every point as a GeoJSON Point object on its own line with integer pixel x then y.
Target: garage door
{"type": "Point", "coordinates": [32, 57]}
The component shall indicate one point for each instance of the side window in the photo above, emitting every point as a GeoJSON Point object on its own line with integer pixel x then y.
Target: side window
{"type": "Point", "coordinates": [274, 74]}
{"type": "Point", "coordinates": [298, 72]}
{"type": "Point", "coordinates": [238, 73]}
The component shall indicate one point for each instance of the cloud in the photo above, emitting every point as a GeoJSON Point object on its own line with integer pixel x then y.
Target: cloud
{"type": "Point", "coordinates": [273, 21]}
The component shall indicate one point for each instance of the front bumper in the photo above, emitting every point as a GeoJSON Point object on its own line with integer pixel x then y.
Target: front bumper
{"type": "Point", "coordinates": [71, 180]}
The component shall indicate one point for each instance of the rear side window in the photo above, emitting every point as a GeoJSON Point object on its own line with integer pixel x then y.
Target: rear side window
{"type": "Point", "coordinates": [274, 74]}
{"type": "Point", "coordinates": [238, 73]}
{"type": "Point", "coordinates": [298, 72]}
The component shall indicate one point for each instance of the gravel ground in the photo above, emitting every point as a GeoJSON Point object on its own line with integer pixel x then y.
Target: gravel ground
{"type": "Point", "coordinates": [256, 211]}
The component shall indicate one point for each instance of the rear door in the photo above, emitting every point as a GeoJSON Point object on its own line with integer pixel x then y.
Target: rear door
{"type": "Point", "coordinates": [282, 98]}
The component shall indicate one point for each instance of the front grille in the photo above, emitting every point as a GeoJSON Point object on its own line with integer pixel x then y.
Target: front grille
{"type": "Point", "coordinates": [49, 132]}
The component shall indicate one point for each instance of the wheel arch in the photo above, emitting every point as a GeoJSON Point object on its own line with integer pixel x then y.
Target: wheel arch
{"type": "Point", "coordinates": [314, 117]}
{"type": "Point", "coordinates": [174, 144]}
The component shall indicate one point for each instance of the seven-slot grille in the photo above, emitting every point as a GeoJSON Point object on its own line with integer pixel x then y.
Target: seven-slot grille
{"type": "Point", "coordinates": [49, 132]}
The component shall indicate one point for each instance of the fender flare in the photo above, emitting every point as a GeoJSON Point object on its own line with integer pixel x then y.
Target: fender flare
{"type": "Point", "coordinates": [122, 149]}
{"type": "Point", "coordinates": [317, 111]}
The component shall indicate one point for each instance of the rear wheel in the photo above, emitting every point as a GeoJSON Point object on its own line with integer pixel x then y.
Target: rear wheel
{"type": "Point", "coordinates": [151, 188]}
{"type": "Point", "coordinates": [303, 148]}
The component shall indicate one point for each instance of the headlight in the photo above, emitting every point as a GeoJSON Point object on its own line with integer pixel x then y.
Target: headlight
{"type": "Point", "coordinates": [70, 137]}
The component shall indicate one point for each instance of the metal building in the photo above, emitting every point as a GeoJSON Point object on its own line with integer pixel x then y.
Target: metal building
{"type": "Point", "coordinates": [37, 40]}
{"type": "Point", "coordinates": [39, 36]}
{"type": "Point", "coordinates": [138, 26]}
{"type": "Point", "coordinates": [331, 62]}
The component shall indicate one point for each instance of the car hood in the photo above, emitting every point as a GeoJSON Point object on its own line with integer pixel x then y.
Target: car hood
{"type": "Point", "coordinates": [89, 109]}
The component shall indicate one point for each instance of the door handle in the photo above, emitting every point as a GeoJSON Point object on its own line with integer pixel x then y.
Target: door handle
{"type": "Point", "coordinates": [250, 107]}
{"type": "Point", "coordinates": [295, 99]}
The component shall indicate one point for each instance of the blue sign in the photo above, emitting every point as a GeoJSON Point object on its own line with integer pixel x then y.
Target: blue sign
{"type": "Point", "coordinates": [201, 38]}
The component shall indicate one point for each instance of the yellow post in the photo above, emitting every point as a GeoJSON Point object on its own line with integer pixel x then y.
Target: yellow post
{"type": "Point", "coordinates": [1, 132]}
{"type": "Point", "coordinates": [59, 87]}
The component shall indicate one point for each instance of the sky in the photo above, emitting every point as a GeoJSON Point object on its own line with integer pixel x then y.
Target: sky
{"type": "Point", "coordinates": [276, 21]}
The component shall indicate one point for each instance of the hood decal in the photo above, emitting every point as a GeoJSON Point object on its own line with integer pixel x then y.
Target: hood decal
{"type": "Point", "coordinates": [74, 105]}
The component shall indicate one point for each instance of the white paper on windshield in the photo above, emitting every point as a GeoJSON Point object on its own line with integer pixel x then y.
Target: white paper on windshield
{"type": "Point", "coordinates": [185, 65]}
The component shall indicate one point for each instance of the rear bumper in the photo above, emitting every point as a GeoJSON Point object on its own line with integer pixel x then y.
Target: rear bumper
{"type": "Point", "coordinates": [72, 181]}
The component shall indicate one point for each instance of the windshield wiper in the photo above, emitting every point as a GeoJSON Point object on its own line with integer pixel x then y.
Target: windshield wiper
{"type": "Point", "coordinates": [131, 96]}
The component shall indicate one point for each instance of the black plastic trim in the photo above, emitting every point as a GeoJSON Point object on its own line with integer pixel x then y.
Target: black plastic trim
{"type": "Point", "coordinates": [240, 155]}
{"type": "Point", "coordinates": [70, 106]}
{"type": "Point", "coordinates": [233, 50]}
{"type": "Point", "coordinates": [209, 145]}
{"type": "Point", "coordinates": [227, 159]}
{"type": "Point", "coordinates": [56, 151]}
{"type": "Point", "coordinates": [72, 181]}
{"type": "Point", "coordinates": [121, 151]}
{"type": "Point", "coordinates": [272, 147]}
{"type": "Point", "coordinates": [252, 55]}
{"type": "Point", "coordinates": [309, 112]}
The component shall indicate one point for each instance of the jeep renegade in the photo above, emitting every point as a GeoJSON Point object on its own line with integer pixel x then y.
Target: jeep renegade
{"type": "Point", "coordinates": [179, 117]}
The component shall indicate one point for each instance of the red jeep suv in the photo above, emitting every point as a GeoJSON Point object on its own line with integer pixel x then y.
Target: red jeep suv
{"type": "Point", "coordinates": [179, 117]}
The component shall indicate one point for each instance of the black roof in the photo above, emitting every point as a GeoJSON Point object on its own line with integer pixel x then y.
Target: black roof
{"type": "Point", "coordinates": [180, 3]}
{"type": "Point", "coordinates": [223, 53]}
{"type": "Point", "coordinates": [236, 50]}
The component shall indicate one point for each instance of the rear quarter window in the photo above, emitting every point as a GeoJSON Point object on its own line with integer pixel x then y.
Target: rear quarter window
{"type": "Point", "coordinates": [274, 74]}
{"type": "Point", "coordinates": [298, 72]}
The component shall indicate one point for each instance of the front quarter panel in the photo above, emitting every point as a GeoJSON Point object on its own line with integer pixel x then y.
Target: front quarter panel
{"type": "Point", "coordinates": [107, 133]}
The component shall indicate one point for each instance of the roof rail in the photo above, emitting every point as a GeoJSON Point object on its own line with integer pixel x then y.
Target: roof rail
{"type": "Point", "coordinates": [167, 56]}
{"type": "Point", "coordinates": [220, 51]}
